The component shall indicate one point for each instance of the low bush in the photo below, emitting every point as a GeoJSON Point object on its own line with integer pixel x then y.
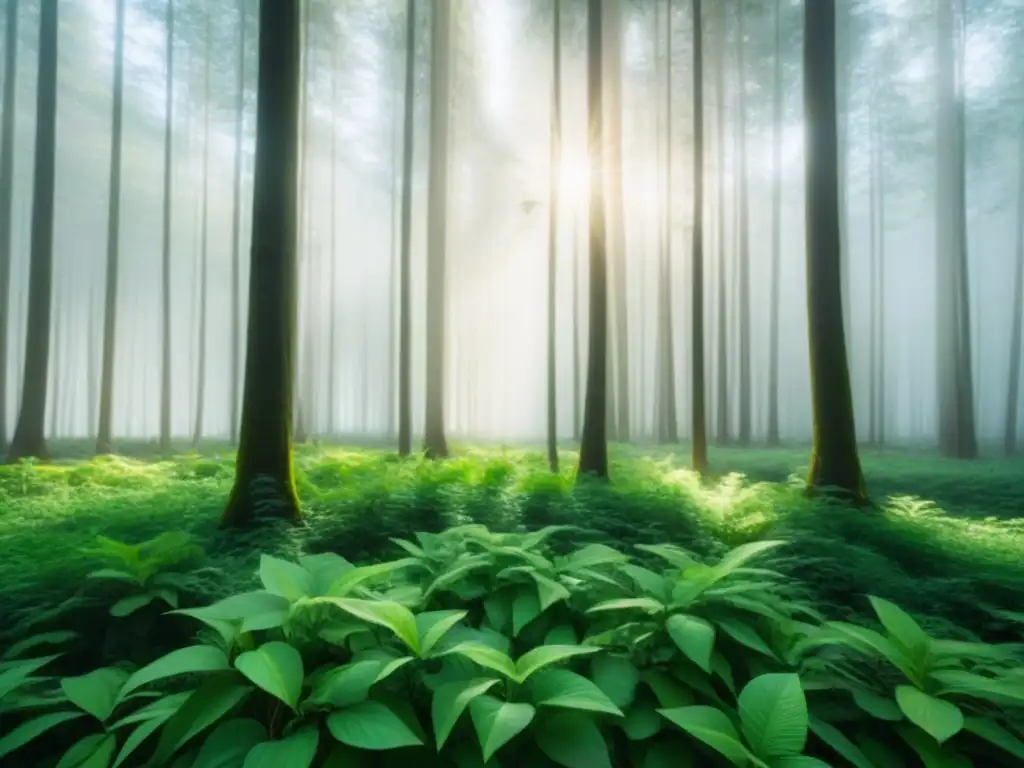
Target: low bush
{"type": "Point", "coordinates": [507, 649]}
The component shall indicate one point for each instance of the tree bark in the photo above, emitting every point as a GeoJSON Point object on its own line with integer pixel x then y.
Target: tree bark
{"type": "Point", "coordinates": [594, 440]}
{"type": "Point", "coordinates": [722, 324]}
{"type": "Point", "coordinates": [834, 464]}
{"type": "Point", "coordinates": [746, 396]}
{"type": "Point", "coordinates": [553, 208]}
{"type": "Point", "coordinates": [236, 248]}
{"type": "Point", "coordinates": [165, 259]}
{"type": "Point", "coordinates": [197, 434]}
{"type": "Point", "coordinates": [264, 485]}
{"type": "Point", "coordinates": [405, 267]}
{"type": "Point", "coordinates": [332, 315]}
{"type": "Point", "coordinates": [1016, 321]}
{"type": "Point", "coordinates": [6, 190]}
{"type": "Point", "coordinates": [776, 277]}
{"type": "Point", "coordinates": [699, 445]}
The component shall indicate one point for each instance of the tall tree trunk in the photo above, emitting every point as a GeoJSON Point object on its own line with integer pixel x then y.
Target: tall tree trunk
{"type": "Point", "coordinates": [236, 227]}
{"type": "Point", "coordinates": [577, 378]}
{"type": "Point", "coordinates": [197, 434]}
{"type": "Point", "coordinates": [834, 463]}
{"type": "Point", "coordinates": [332, 315]}
{"type": "Point", "coordinates": [299, 362]}
{"type": "Point", "coordinates": [1016, 321]}
{"type": "Point", "coordinates": [698, 407]}
{"type": "Point", "coordinates": [389, 408]}
{"type": "Point", "coordinates": [264, 485]}
{"type": "Point", "coordinates": [553, 208]}
{"type": "Point", "coordinates": [92, 372]}
{"type": "Point", "coordinates": [776, 277]}
{"type": "Point", "coordinates": [435, 442]}
{"type": "Point", "coordinates": [53, 407]}
{"type": "Point", "coordinates": [844, 70]}
{"type": "Point", "coordinates": [666, 421]}
{"type": "Point", "coordinates": [29, 435]}
{"type": "Point", "coordinates": [165, 260]}
{"type": "Point", "coordinates": [722, 324]}
{"type": "Point", "coordinates": [873, 266]}
{"type": "Point", "coordinates": [405, 267]}
{"type": "Point", "coordinates": [6, 190]}
{"type": "Point", "coordinates": [103, 435]}
{"type": "Point", "coordinates": [594, 441]}
{"type": "Point", "coordinates": [880, 285]}
{"type": "Point", "coordinates": [746, 395]}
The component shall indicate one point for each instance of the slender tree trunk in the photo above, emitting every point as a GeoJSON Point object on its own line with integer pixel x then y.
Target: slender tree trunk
{"type": "Point", "coordinates": [722, 324]}
{"type": "Point", "coordinates": [236, 226]}
{"type": "Point", "coordinates": [92, 372]}
{"type": "Point", "coordinates": [264, 485]}
{"type": "Point", "coordinates": [843, 117]}
{"type": "Point", "coordinates": [53, 407]}
{"type": "Point", "coordinates": [29, 435]}
{"type": "Point", "coordinates": [1016, 321]}
{"type": "Point", "coordinates": [390, 415]}
{"type": "Point", "coordinates": [577, 378]}
{"type": "Point", "coordinates": [332, 315]}
{"type": "Point", "coordinates": [594, 442]}
{"type": "Point", "coordinates": [873, 264]}
{"type": "Point", "coordinates": [746, 395]}
{"type": "Point", "coordinates": [405, 267]}
{"type": "Point", "coordinates": [435, 442]}
{"type": "Point", "coordinates": [666, 420]}
{"type": "Point", "coordinates": [6, 190]}
{"type": "Point", "coordinates": [299, 362]}
{"type": "Point", "coordinates": [699, 447]}
{"type": "Point", "coordinates": [834, 464]}
{"type": "Point", "coordinates": [197, 434]}
{"type": "Point", "coordinates": [880, 285]}
{"type": "Point", "coordinates": [553, 208]}
{"type": "Point", "coordinates": [776, 277]}
{"type": "Point", "coordinates": [165, 261]}
{"type": "Point", "coordinates": [103, 437]}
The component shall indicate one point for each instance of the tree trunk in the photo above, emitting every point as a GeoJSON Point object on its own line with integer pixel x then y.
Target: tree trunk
{"type": "Point", "coordinates": [299, 362]}
{"type": "Point", "coordinates": [699, 446]}
{"type": "Point", "coordinates": [6, 189]}
{"type": "Point", "coordinates": [553, 208]}
{"type": "Point", "coordinates": [405, 267]}
{"type": "Point", "coordinates": [264, 485]}
{"type": "Point", "coordinates": [103, 435]}
{"type": "Point", "coordinates": [332, 315]}
{"type": "Point", "coordinates": [746, 396]}
{"type": "Point", "coordinates": [92, 372]}
{"type": "Point", "coordinates": [722, 324]}
{"type": "Point", "coordinates": [843, 116]}
{"type": "Point", "coordinates": [165, 259]}
{"type": "Point", "coordinates": [197, 434]}
{"type": "Point", "coordinates": [666, 427]}
{"type": "Point", "coordinates": [435, 442]}
{"type": "Point", "coordinates": [834, 465]}
{"type": "Point", "coordinates": [776, 277]}
{"type": "Point", "coordinates": [880, 285]}
{"type": "Point", "coordinates": [236, 255]}
{"type": "Point", "coordinates": [29, 435]}
{"type": "Point", "coordinates": [594, 442]}
{"type": "Point", "coordinates": [577, 378]}
{"type": "Point", "coordinates": [873, 265]}
{"type": "Point", "coordinates": [1016, 321]}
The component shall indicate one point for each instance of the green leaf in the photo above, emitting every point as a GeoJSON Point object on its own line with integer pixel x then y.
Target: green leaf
{"type": "Point", "coordinates": [593, 555]}
{"type": "Point", "coordinates": [568, 690]}
{"type": "Point", "coordinates": [563, 634]}
{"type": "Point", "coordinates": [525, 608]}
{"type": "Point", "coordinates": [629, 603]}
{"type": "Point", "coordinates": [288, 580]}
{"type": "Point", "coordinates": [900, 625]}
{"type": "Point", "coordinates": [138, 736]}
{"type": "Point", "coordinates": [712, 727]}
{"type": "Point", "coordinates": [550, 591]}
{"type": "Point", "coordinates": [432, 626]}
{"type": "Point", "coordinates": [798, 761]}
{"type": "Point", "coordinates": [745, 553]}
{"type": "Point", "coordinates": [57, 637]}
{"type": "Point", "coordinates": [160, 709]}
{"type": "Point", "coordinates": [573, 739]}
{"type": "Point", "coordinates": [617, 677]}
{"type": "Point", "coordinates": [546, 655]}
{"type": "Point", "coordinates": [93, 751]}
{"type": "Point", "coordinates": [877, 706]}
{"type": "Point", "coordinates": [988, 729]}
{"type": "Point", "coordinates": [275, 667]}
{"type": "Point", "coordinates": [391, 666]}
{"type": "Point", "coordinates": [746, 635]}
{"type": "Point", "coordinates": [348, 581]}
{"type": "Point", "coordinates": [193, 658]}
{"type": "Point", "coordinates": [939, 719]}
{"type": "Point", "coordinates": [371, 725]}
{"type": "Point", "coordinates": [496, 722]}
{"type": "Point", "coordinates": [932, 754]}
{"type": "Point", "coordinates": [694, 636]}
{"type": "Point", "coordinates": [773, 712]}
{"type": "Point", "coordinates": [295, 751]}
{"type": "Point", "coordinates": [13, 678]}
{"type": "Point", "coordinates": [211, 701]}
{"type": "Point", "coordinates": [95, 692]}
{"type": "Point", "coordinates": [642, 721]}
{"type": "Point", "coordinates": [450, 701]}
{"type": "Point", "coordinates": [384, 613]}
{"type": "Point", "coordinates": [345, 685]}
{"type": "Point", "coordinates": [33, 729]}
{"type": "Point", "coordinates": [126, 606]}
{"type": "Point", "coordinates": [254, 610]}
{"type": "Point", "coordinates": [839, 743]}
{"type": "Point", "coordinates": [325, 568]}
{"type": "Point", "coordinates": [229, 743]}
{"type": "Point", "coordinates": [487, 657]}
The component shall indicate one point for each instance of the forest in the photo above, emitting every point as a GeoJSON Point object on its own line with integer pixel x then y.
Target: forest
{"type": "Point", "coordinates": [491, 383]}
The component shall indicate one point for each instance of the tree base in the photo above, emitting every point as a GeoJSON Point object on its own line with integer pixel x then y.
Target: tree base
{"type": "Point", "coordinates": [27, 449]}
{"type": "Point", "coordinates": [258, 499]}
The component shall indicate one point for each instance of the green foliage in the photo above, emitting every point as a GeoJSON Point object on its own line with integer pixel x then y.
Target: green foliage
{"type": "Point", "coordinates": [482, 647]}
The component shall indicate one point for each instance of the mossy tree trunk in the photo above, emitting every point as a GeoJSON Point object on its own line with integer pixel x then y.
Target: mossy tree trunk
{"type": "Point", "coordinates": [6, 190]}
{"type": "Point", "coordinates": [835, 464]}
{"type": "Point", "coordinates": [264, 484]}
{"type": "Point", "coordinates": [553, 208]}
{"type": "Point", "coordinates": [29, 435]}
{"type": "Point", "coordinates": [698, 393]}
{"type": "Point", "coordinates": [594, 440]}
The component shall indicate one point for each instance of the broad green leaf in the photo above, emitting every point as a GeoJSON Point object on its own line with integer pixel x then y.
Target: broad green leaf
{"type": "Point", "coordinates": [391, 666]}
{"type": "Point", "coordinates": [390, 615]}
{"type": "Point", "coordinates": [940, 719]}
{"type": "Point", "coordinates": [629, 603]}
{"type": "Point", "coordinates": [345, 685]}
{"type": "Point", "coordinates": [573, 739]}
{"type": "Point", "coordinates": [371, 725]}
{"type": "Point", "coordinates": [675, 556]}
{"type": "Point", "coordinates": [900, 625]}
{"type": "Point", "coordinates": [113, 574]}
{"type": "Point", "coordinates": [568, 690]}
{"type": "Point", "coordinates": [839, 743]}
{"type": "Point", "coordinates": [409, 547]}
{"type": "Point", "coordinates": [346, 582]}
{"type": "Point", "coordinates": [135, 739]}
{"type": "Point", "coordinates": [289, 580]}
{"type": "Point", "coordinates": [325, 568]}
{"type": "Point", "coordinates": [593, 555]}
{"type": "Point", "coordinates": [694, 636]}
{"type": "Point", "coordinates": [877, 706]}
{"type": "Point", "coordinates": [487, 657]}
{"type": "Point", "coordinates": [798, 761]}
{"type": "Point", "coordinates": [13, 678]}
{"type": "Point", "coordinates": [535, 538]}
{"type": "Point", "coordinates": [932, 754]}
{"type": "Point", "coordinates": [498, 609]}
{"type": "Point", "coordinates": [563, 634]}
{"type": "Point", "coordinates": [496, 722]}
{"type": "Point", "coordinates": [773, 712]}
{"type": "Point", "coordinates": [642, 720]}
{"type": "Point", "coordinates": [211, 701]}
{"type": "Point", "coordinates": [93, 751]}
{"type": "Point", "coordinates": [746, 635]}
{"type": "Point", "coordinates": [434, 625]}
{"type": "Point", "coordinates": [193, 658]}
{"type": "Point", "coordinates": [745, 553]}
{"type": "Point", "coordinates": [525, 608]}
{"type": "Point", "coordinates": [549, 591]}
{"type": "Point", "coordinates": [450, 701]}
{"type": "Point", "coordinates": [275, 667]}
{"type": "Point", "coordinates": [229, 743]}
{"type": "Point", "coordinates": [160, 709]}
{"type": "Point", "coordinates": [617, 677]}
{"type": "Point", "coordinates": [126, 606]}
{"type": "Point", "coordinates": [988, 729]}
{"type": "Point", "coordinates": [667, 690]}
{"type": "Point", "coordinates": [295, 751]}
{"type": "Point", "coordinates": [57, 637]}
{"type": "Point", "coordinates": [33, 729]}
{"type": "Point", "coordinates": [712, 727]}
{"type": "Point", "coordinates": [96, 691]}
{"type": "Point", "coordinates": [546, 655]}
{"type": "Point", "coordinates": [253, 610]}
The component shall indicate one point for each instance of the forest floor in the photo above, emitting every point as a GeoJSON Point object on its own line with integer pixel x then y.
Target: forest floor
{"type": "Point", "coordinates": [946, 540]}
